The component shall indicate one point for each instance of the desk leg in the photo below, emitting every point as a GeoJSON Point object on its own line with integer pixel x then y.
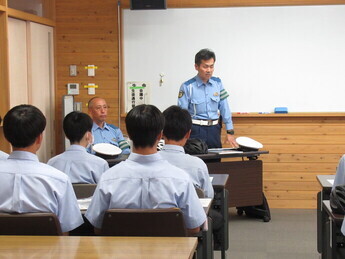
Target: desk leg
{"type": "Point", "coordinates": [319, 222]}
{"type": "Point", "coordinates": [225, 212]}
{"type": "Point", "coordinates": [333, 236]}
{"type": "Point", "coordinates": [325, 236]}
{"type": "Point", "coordinates": [205, 243]}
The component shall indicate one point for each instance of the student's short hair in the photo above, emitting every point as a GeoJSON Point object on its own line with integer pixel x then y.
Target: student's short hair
{"type": "Point", "coordinates": [75, 125]}
{"type": "Point", "coordinates": [23, 124]}
{"type": "Point", "coordinates": [144, 123]}
{"type": "Point", "coordinates": [204, 54]}
{"type": "Point", "coordinates": [177, 123]}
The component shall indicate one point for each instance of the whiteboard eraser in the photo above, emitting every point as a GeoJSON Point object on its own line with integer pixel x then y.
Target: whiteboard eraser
{"type": "Point", "coordinates": [281, 110]}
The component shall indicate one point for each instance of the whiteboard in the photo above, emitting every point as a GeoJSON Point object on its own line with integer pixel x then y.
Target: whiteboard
{"type": "Point", "coordinates": [291, 56]}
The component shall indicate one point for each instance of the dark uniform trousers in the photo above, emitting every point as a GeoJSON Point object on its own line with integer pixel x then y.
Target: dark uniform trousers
{"type": "Point", "coordinates": [210, 134]}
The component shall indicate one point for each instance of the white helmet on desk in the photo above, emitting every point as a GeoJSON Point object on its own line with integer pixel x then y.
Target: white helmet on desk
{"type": "Point", "coordinates": [248, 144]}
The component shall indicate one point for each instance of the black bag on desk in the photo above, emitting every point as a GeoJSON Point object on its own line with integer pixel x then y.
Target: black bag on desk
{"type": "Point", "coordinates": [260, 211]}
{"type": "Point", "coordinates": [195, 146]}
{"type": "Point", "coordinates": [337, 199]}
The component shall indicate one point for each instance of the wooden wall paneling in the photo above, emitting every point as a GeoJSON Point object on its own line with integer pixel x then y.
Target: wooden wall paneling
{"type": "Point", "coordinates": [238, 3]}
{"type": "Point", "coordinates": [87, 34]}
{"type": "Point", "coordinates": [300, 149]}
{"type": "Point", "coordinates": [4, 77]}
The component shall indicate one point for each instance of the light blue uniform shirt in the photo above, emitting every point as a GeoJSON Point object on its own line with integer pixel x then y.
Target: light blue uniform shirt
{"type": "Point", "coordinates": [203, 101]}
{"type": "Point", "coordinates": [194, 166]}
{"type": "Point", "coordinates": [31, 186]}
{"type": "Point", "coordinates": [146, 182]}
{"type": "Point", "coordinates": [339, 178]}
{"type": "Point", "coordinates": [80, 166]}
{"type": "Point", "coordinates": [3, 155]}
{"type": "Point", "coordinates": [109, 134]}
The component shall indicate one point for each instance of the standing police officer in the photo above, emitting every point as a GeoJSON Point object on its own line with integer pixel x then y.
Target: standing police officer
{"type": "Point", "coordinates": [205, 97]}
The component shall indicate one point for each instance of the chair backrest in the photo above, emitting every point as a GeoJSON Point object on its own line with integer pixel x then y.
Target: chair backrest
{"type": "Point", "coordinates": [200, 192]}
{"type": "Point", "coordinates": [84, 190]}
{"type": "Point", "coordinates": [144, 222]}
{"type": "Point", "coordinates": [42, 224]}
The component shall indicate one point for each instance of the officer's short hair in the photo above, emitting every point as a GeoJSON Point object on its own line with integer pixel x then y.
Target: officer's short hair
{"type": "Point", "coordinates": [177, 123]}
{"type": "Point", "coordinates": [75, 125]}
{"type": "Point", "coordinates": [204, 54]}
{"type": "Point", "coordinates": [23, 124]}
{"type": "Point", "coordinates": [90, 102]}
{"type": "Point", "coordinates": [144, 123]}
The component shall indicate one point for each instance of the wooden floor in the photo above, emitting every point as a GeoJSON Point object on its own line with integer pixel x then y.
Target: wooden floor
{"type": "Point", "coordinates": [290, 234]}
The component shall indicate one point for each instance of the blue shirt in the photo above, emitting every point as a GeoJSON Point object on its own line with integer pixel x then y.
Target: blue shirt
{"type": "Point", "coordinates": [31, 186]}
{"type": "Point", "coordinates": [339, 178]}
{"type": "Point", "coordinates": [3, 155]}
{"type": "Point", "coordinates": [146, 182]}
{"type": "Point", "coordinates": [109, 134]}
{"type": "Point", "coordinates": [194, 166]}
{"type": "Point", "coordinates": [80, 166]}
{"type": "Point", "coordinates": [203, 101]}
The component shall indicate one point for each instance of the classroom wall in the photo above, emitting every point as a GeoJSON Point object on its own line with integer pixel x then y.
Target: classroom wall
{"type": "Point", "coordinates": [300, 147]}
{"type": "Point", "coordinates": [87, 34]}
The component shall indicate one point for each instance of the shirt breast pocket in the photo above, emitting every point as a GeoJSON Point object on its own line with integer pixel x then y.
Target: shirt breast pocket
{"type": "Point", "coordinates": [198, 106]}
{"type": "Point", "coordinates": [214, 103]}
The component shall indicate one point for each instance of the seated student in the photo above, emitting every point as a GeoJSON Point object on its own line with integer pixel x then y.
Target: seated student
{"type": "Point", "coordinates": [177, 129]}
{"type": "Point", "coordinates": [101, 131]}
{"type": "Point", "coordinates": [3, 155]}
{"type": "Point", "coordinates": [31, 186]}
{"type": "Point", "coordinates": [80, 166]}
{"type": "Point", "coordinates": [145, 180]}
{"type": "Point", "coordinates": [339, 178]}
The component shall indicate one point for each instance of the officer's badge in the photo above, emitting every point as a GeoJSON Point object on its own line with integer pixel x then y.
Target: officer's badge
{"type": "Point", "coordinates": [216, 94]}
{"type": "Point", "coordinates": [180, 94]}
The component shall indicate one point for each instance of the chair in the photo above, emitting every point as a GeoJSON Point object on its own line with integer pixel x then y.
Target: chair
{"type": "Point", "coordinates": [144, 222]}
{"type": "Point", "coordinates": [84, 190]}
{"type": "Point", "coordinates": [42, 224]}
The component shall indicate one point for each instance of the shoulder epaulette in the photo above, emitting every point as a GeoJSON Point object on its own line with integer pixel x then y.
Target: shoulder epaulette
{"type": "Point", "coordinates": [190, 81]}
{"type": "Point", "coordinates": [217, 79]}
{"type": "Point", "coordinates": [112, 126]}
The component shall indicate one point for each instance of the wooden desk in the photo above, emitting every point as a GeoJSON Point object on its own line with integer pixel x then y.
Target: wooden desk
{"type": "Point", "coordinates": [321, 196]}
{"type": "Point", "coordinates": [331, 232]}
{"type": "Point", "coordinates": [245, 181]}
{"type": "Point", "coordinates": [245, 177]}
{"type": "Point", "coordinates": [97, 247]}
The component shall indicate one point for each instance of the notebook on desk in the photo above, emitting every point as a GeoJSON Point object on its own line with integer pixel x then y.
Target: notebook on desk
{"type": "Point", "coordinates": [84, 203]}
{"type": "Point", "coordinates": [222, 151]}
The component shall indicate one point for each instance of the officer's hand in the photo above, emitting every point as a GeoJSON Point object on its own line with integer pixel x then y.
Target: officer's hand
{"type": "Point", "coordinates": [230, 139]}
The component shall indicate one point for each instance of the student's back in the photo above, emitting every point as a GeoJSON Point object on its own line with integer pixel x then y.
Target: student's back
{"type": "Point", "coordinates": [31, 186]}
{"type": "Point", "coordinates": [340, 173]}
{"type": "Point", "coordinates": [27, 184]}
{"type": "Point", "coordinates": [193, 166]}
{"type": "Point", "coordinates": [146, 182]}
{"type": "Point", "coordinates": [3, 155]}
{"type": "Point", "coordinates": [80, 166]}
